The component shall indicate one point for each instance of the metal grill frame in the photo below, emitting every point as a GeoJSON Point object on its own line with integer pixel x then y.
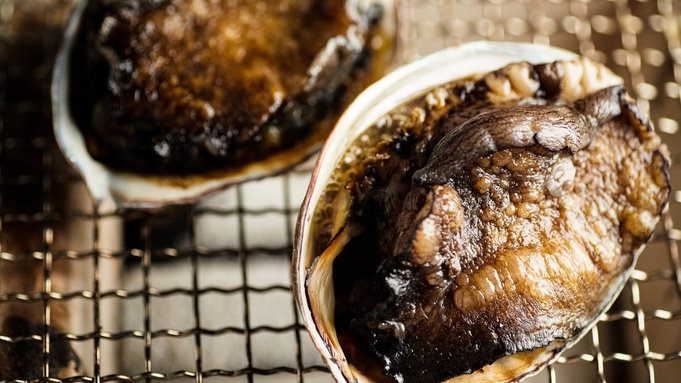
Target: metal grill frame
{"type": "Point", "coordinates": [434, 24]}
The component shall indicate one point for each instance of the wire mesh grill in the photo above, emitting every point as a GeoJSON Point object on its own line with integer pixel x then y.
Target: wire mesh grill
{"type": "Point", "coordinates": [202, 292]}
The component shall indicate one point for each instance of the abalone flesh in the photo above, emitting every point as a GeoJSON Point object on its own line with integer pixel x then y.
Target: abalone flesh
{"type": "Point", "coordinates": [472, 228]}
{"type": "Point", "coordinates": [171, 99]}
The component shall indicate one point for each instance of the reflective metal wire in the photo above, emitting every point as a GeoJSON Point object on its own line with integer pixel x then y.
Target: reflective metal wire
{"type": "Point", "coordinates": [637, 340]}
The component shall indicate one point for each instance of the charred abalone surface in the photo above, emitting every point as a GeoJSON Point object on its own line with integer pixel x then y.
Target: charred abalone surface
{"type": "Point", "coordinates": [176, 87]}
{"type": "Point", "coordinates": [486, 225]}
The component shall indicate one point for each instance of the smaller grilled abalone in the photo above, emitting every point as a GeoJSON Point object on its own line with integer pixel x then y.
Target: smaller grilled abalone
{"type": "Point", "coordinates": [162, 101]}
{"type": "Point", "coordinates": [474, 226]}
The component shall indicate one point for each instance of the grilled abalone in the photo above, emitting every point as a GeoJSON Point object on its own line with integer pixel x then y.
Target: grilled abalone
{"type": "Point", "coordinates": [200, 94]}
{"type": "Point", "coordinates": [471, 231]}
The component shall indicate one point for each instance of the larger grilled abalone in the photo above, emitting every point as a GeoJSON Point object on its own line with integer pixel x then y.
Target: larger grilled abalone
{"type": "Point", "coordinates": [160, 101]}
{"type": "Point", "coordinates": [470, 231]}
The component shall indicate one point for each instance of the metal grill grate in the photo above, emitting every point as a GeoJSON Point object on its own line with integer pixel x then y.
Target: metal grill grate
{"type": "Point", "coordinates": [202, 292]}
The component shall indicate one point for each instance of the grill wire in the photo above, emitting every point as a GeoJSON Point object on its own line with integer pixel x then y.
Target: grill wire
{"type": "Point", "coordinates": [202, 292]}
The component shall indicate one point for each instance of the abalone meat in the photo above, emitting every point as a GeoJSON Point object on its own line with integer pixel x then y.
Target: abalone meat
{"type": "Point", "coordinates": [160, 101]}
{"type": "Point", "coordinates": [477, 222]}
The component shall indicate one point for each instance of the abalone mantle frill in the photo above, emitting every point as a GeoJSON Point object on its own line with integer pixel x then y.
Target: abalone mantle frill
{"type": "Point", "coordinates": [491, 219]}
{"type": "Point", "coordinates": [193, 87]}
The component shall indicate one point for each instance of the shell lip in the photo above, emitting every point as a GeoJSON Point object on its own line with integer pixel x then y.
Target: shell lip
{"type": "Point", "coordinates": [114, 189]}
{"type": "Point", "coordinates": [436, 69]}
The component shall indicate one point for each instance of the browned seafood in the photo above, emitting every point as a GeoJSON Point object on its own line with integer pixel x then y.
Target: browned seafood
{"type": "Point", "coordinates": [186, 92]}
{"type": "Point", "coordinates": [494, 220]}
